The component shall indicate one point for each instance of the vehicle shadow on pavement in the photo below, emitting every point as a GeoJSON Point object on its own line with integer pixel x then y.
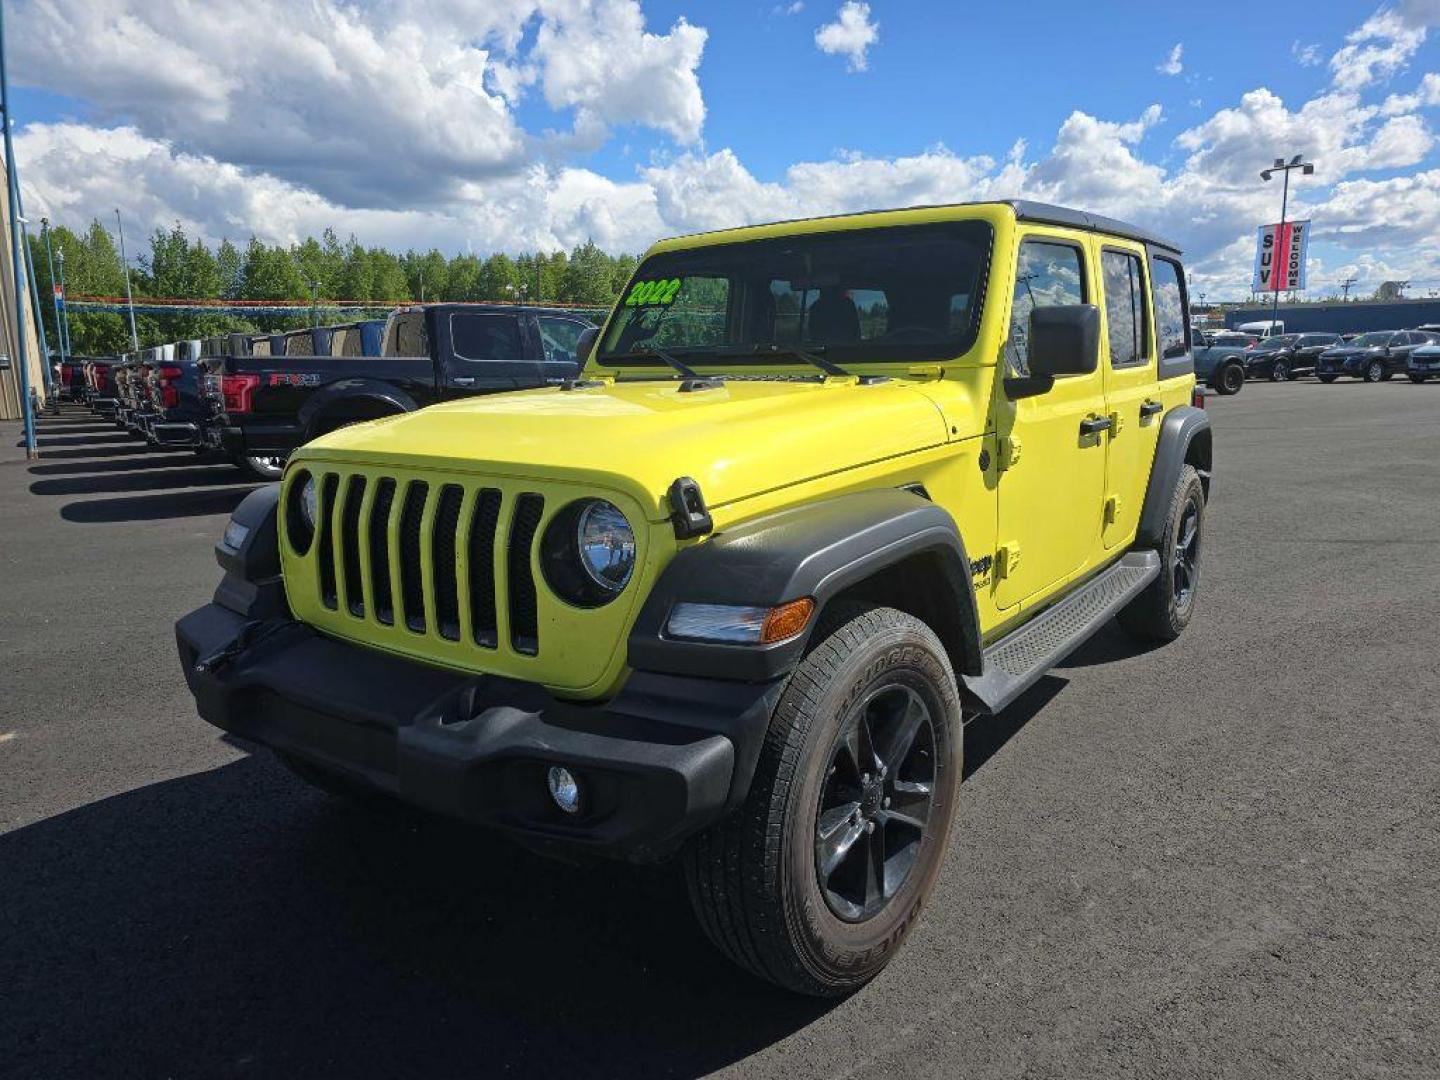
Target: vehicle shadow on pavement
{"type": "Point", "coordinates": [985, 735]}
{"type": "Point", "coordinates": [233, 922]}
{"type": "Point", "coordinates": [1108, 645]}
{"type": "Point", "coordinates": [195, 502]}
{"type": "Point", "coordinates": [109, 482]}
{"type": "Point", "coordinates": [175, 460]}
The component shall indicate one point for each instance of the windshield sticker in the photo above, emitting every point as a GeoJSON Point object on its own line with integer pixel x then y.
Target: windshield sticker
{"type": "Point", "coordinates": [650, 293]}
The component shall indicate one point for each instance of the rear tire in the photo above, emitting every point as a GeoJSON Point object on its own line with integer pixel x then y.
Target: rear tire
{"type": "Point", "coordinates": [1163, 611]}
{"type": "Point", "coordinates": [803, 885]}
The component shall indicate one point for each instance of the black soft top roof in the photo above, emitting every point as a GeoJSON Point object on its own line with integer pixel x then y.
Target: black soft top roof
{"type": "Point", "coordinates": [1049, 214]}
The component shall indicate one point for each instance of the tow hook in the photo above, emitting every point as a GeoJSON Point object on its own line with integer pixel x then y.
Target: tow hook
{"type": "Point", "coordinates": [251, 634]}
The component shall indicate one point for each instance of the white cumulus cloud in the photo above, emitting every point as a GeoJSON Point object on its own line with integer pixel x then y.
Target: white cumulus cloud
{"type": "Point", "coordinates": [850, 35]}
{"type": "Point", "coordinates": [1172, 64]}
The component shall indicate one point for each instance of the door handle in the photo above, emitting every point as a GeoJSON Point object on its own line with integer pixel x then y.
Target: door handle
{"type": "Point", "coordinates": [1150, 408]}
{"type": "Point", "coordinates": [463, 380]}
{"type": "Point", "coordinates": [1093, 425]}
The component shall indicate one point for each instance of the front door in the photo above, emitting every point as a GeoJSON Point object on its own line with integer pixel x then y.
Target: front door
{"type": "Point", "coordinates": [1127, 357]}
{"type": "Point", "coordinates": [1052, 445]}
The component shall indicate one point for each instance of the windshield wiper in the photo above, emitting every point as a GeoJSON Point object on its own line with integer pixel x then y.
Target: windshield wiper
{"type": "Point", "coordinates": [829, 367]}
{"type": "Point", "coordinates": [685, 370]}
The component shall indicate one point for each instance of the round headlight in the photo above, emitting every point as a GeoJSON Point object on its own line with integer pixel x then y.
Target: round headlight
{"type": "Point", "coordinates": [310, 501]}
{"type": "Point", "coordinates": [607, 545]}
{"type": "Point", "coordinates": [300, 511]}
{"type": "Point", "coordinates": [588, 553]}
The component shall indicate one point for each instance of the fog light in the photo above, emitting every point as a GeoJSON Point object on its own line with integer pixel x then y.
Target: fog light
{"type": "Point", "coordinates": [564, 789]}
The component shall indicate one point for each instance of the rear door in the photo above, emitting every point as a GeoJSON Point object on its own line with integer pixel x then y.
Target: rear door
{"type": "Point", "coordinates": [1052, 487]}
{"type": "Point", "coordinates": [1127, 358]}
{"type": "Point", "coordinates": [487, 351]}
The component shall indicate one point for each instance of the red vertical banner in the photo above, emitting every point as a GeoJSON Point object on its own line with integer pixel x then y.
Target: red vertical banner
{"type": "Point", "coordinates": [1280, 253]}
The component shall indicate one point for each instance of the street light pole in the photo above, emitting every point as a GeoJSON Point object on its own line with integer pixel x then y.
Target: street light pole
{"type": "Point", "coordinates": [129, 299]}
{"type": "Point", "coordinates": [64, 328]}
{"type": "Point", "coordinates": [1306, 168]}
{"type": "Point", "coordinates": [55, 288]}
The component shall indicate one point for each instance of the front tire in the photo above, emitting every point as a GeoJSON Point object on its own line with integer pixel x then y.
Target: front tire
{"type": "Point", "coordinates": [1374, 371]}
{"type": "Point", "coordinates": [1280, 372]}
{"type": "Point", "coordinates": [814, 883]}
{"type": "Point", "coordinates": [1163, 611]}
{"type": "Point", "coordinates": [1418, 378]}
{"type": "Point", "coordinates": [263, 467]}
{"type": "Point", "coordinates": [1230, 379]}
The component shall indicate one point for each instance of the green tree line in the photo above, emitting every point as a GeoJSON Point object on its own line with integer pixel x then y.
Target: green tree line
{"type": "Point", "coordinates": [177, 266]}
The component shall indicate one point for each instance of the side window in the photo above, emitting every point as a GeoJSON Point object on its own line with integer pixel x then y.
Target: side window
{"type": "Point", "coordinates": [1169, 294]}
{"type": "Point", "coordinates": [487, 338]}
{"type": "Point", "coordinates": [1048, 274]}
{"type": "Point", "coordinates": [1124, 308]}
{"type": "Point", "coordinates": [560, 338]}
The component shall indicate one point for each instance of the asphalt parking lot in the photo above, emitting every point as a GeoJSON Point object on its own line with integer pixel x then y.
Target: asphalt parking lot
{"type": "Point", "coordinates": [1218, 858]}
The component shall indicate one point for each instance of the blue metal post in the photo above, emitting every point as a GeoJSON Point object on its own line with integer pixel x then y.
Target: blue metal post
{"type": "Point", "coordinates": [39, 318]}
{"type": "Point", "coordinates": [31, 449]}
{"type": "Point", "coordinates": [64, 307]}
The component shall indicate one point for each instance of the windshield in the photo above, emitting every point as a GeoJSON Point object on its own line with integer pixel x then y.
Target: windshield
{"type": "Point", "coordinates": [1381, 337]}
{"type": "Point", "coordinates": [905, 293]}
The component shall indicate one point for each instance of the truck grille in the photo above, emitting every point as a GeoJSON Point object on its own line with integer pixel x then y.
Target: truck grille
{"type": "Point", "coordinates": [413, 557]}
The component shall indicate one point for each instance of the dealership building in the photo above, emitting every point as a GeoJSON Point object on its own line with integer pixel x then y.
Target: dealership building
{"type": "Point", "coordinates": [1341, 317]}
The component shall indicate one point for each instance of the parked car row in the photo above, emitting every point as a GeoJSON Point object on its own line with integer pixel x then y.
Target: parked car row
{"type": "Point", "coordinates": [256, 397]}
{"type": "Point", "coordinates": [1226, 359]}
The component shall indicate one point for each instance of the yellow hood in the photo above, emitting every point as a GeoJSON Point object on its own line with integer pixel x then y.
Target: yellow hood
{"type": "Point", "coordinates": [738, 440]}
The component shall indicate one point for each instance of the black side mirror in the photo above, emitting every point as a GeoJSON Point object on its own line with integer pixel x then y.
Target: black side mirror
{"type": "Point", "coordinates": [586, 344]}
{"type": "Point", "coordinates": [1064, 340]}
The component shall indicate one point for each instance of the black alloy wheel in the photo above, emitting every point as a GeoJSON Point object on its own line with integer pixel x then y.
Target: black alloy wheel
{"type": "Point", "coordinates": [1185, 558]}
{"type": "Point", "coordinates": [1280, 371]}
{"type": "Point", "coordinates": [1232, 378]}
{"type": "Point", "coordinates": [875, 804]}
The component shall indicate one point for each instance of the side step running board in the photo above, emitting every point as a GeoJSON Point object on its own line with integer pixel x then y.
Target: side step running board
{"type": "Point", "coordinates": [1017, 661]}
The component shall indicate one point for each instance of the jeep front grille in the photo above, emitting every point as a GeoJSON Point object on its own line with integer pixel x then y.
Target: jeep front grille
{"type": "Point", "coordinates": [412, 558]}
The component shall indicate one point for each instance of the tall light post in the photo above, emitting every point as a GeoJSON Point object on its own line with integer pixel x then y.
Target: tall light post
{"type": "Point", "coordinates": [129, 299]}
{"type": "Point", "coordinates": [56, 288]}
{"type": "Point", "coordinates": [64, 328]}
{"type": "Point", "coordinates": [1280, 166]}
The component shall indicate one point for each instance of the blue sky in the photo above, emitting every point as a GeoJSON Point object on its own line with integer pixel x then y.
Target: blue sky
{"type": "Point", "coordinates": [509, 124]}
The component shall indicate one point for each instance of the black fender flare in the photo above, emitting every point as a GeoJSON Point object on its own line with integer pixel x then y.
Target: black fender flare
{"type": "Point", "coordinates": [249, 555]}
{"type": "Point", "coordinates": [351, 390]}
{"type": "Point", "coordinates": [818, 550]}
{"type": "Point", "coordinates": [1179, 431]}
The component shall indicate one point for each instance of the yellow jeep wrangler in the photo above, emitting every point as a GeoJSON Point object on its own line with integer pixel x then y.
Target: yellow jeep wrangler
{"type": "Point", "coordinates": [824, 490]}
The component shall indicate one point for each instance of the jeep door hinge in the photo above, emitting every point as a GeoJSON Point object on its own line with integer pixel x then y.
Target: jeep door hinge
{"type": "Point", "coordinates": [1007, 560]}
{"type": "Point", "coordinates": [1116, 424]}
{"type": "Point", "coordinates": [1009, 452]}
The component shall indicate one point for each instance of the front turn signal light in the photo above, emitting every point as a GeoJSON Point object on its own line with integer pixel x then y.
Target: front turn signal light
{"type": "Point", "coordinates": [735, 624]}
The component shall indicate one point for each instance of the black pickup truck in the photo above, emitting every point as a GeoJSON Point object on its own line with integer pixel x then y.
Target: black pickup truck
{"type": "Point", "coordinates": [263, 407]}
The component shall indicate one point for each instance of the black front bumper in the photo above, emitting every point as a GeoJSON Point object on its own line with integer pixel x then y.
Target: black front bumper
{"type": "Point", "coordinates": [666, 757]}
